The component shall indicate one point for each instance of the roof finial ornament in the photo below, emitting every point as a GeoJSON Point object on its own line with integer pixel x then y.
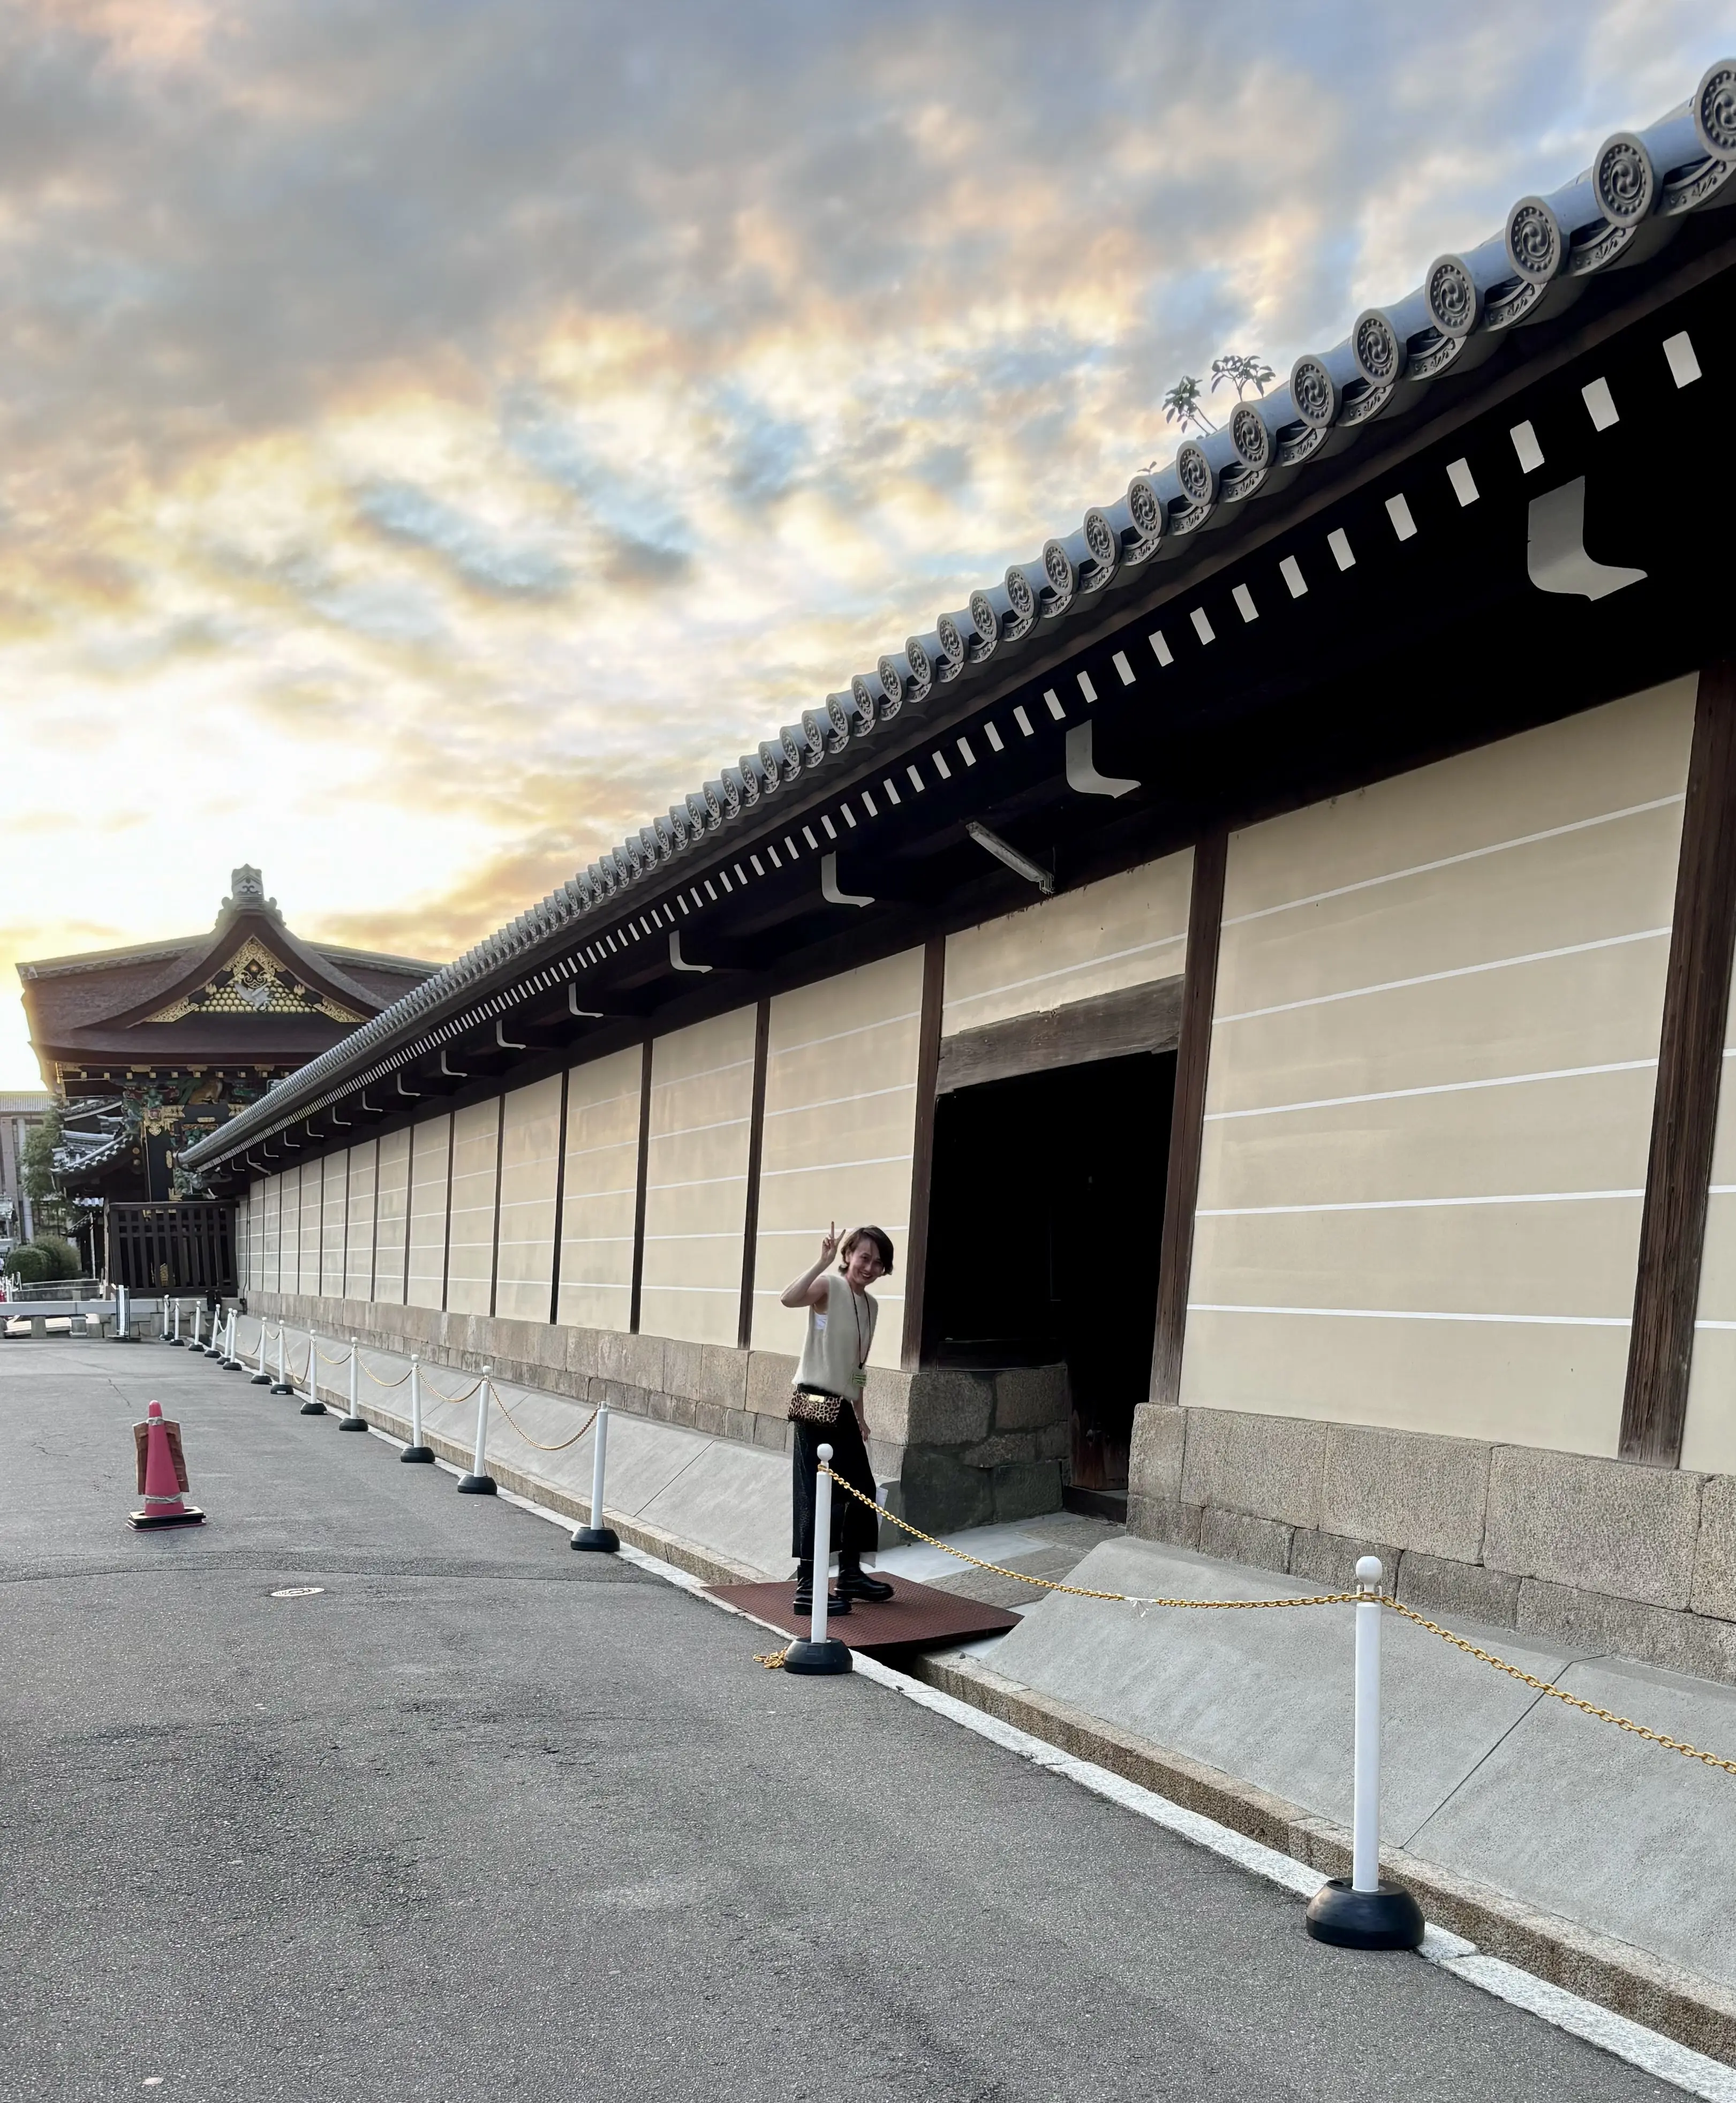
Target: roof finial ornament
{"type": "Point", "coordinates": [246, 893]}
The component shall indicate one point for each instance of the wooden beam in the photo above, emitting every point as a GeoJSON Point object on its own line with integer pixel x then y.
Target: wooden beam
{"type": "Point", "coordinates": [750, 1232]}
{"type": "Point", "coordinates": [1684, 1109]}
{"type": "Point", "coordinates": [560, 1199]}
{"type": "Point", "coordinates": [638, 1206]}
{"type": "Point", "coordinates": [494, 1259]}
{"type": "Point", "coordinates": [1109, 1025]}
{"type": "Point", "coordinates": [1188, 1116]}
{"type": "Point", "coordinates": [922, 1148]}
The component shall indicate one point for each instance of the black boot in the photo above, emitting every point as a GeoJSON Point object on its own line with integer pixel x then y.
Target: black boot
{"type": "Point", "coordinates": [854, 1581]}
{"type": "Point", "coordinates": [836, 1603]}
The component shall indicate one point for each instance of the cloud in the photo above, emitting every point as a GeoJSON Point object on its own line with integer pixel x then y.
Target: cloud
{"type": "Point", "coordinates": [432, 439]}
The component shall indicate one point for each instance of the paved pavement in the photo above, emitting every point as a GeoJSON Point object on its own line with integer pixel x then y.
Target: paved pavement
{"type": "Point", "coordinates": [484, 1819]}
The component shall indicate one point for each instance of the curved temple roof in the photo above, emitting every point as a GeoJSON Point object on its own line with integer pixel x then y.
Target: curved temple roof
{"type": "Point", "coordinates": [1641, 187]}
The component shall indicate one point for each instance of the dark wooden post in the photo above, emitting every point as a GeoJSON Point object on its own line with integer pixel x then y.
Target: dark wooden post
{"type": "Point", "coordinates": [922, 1148]}
{"type": "Point", "coordinates": [493, 1260]}
{"type": "Point", "coordinates": [1684, 1109]}
{"type": "Point", "coordinates": [638, 1209]}
{"type": "Point", "coordinates": [750, 1229]}
{"type": "Point", "coordinates": [446, 1256]}
{"type": "Point", "coordinates": [560, 1199]}
{"type": "Point", "coordinates": [1188, 1116]}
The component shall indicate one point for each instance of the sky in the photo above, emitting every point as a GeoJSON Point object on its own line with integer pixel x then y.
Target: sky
{"type": "Point", "coordinates": [433, 438]}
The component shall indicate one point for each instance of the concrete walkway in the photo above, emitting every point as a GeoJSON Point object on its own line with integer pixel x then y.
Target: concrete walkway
{"type": "Point", "coordinates": [368, 1789]}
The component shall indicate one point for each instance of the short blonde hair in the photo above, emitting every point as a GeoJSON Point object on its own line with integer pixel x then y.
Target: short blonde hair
{"type": "Point", "coordinates": [878, 1236]}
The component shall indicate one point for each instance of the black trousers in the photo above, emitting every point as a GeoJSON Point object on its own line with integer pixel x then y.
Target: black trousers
{"type": "Point", "coordinates": [854, 1528]}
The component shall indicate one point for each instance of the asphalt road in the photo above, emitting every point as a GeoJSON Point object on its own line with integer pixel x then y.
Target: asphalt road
{"type": "Point", "coordinates": [483, 1819]}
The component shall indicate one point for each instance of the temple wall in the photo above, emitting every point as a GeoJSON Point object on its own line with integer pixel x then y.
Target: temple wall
{"type": "Point", "coordinates": [529, 1173]}
{"type": "Point", "coordinates": [600, 1182]}
{"type": "Point", "coordinates": [841, 1072]}
{"type": "Point", "coordinates": [470, 1226]}
{"type": "Point", "coordinates": [358, 1225]}
{"type": "Point", "coordinates": [1127, 930]}
{"type": "Point", "coordinates": [696, 1179]}
{"type": "Point", "coordinates": [430, 1161]}
{"type": "Point", "coordinates": [392, 1219]}
{"type": "Point", "coordinates": [311, 1187]}
{"type": "Point", "coordinates": [1430, 1096]}
{"type": "Point", "coordinates": [334, 1202]}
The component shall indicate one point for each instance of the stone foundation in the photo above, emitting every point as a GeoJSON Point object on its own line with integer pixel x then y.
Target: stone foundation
{"type": "Point", "coordinates": [1594, 1553]}
{"type": "Point", "coordinates": [953, 1448]}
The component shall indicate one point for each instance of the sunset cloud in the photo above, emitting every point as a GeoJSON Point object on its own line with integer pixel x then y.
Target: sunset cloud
{"type": "Point", "coordinates": [432, 439]}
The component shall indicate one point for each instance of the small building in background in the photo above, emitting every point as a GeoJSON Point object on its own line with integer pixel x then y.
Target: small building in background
{"type": "Point", "coordinates": [20, 1113]}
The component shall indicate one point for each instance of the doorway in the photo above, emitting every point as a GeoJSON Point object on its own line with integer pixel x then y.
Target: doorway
{"type": "Point", "coordinates": [1046, 1215]}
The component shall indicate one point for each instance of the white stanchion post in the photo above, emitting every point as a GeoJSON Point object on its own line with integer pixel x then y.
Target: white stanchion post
{"type": "Point", "coordinates": [123, 1314]}
{"type": "Point", "coordinates": [603, 1540]}
{"type": "Point", "coordinates": [282, 1384]}
{"type": "Point", "coordinates": [261, 1378]}
{"type": "Point", "coordinates": [313, 1407]}
{"type": "Point", "coordinates": [1362, 1913]}
{"type": "Point", "coordinates": [355, 1421]}
{"type": "Point", "coordinates": [175, 1338]}
{"type": "Point", "coordinates": [821, 1653]}
{"type": "Point", "coordinates": [479, 1483]}
{"type": "Point", "coordinates": [416, 1450]}
{"type": "Point", "coordinates": [230, 1362]}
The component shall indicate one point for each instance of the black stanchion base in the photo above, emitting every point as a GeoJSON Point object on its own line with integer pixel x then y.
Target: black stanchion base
{"type": "Point", "coordinates": [353, 1424]}
{"type": "Point", "coordinates": [1389, 1919]}
{"type": "Point", "coordinates": [260, 1379]}
{"type": "Point", "coordinates": [231, 1365]}
{"type": "Point", "coordinates": [477, 1485]}
{"type": "Point", "coordinates": [176, 1343]}
{"type": "Point", "coordinates": [282, 1387]}
{"type": "Point", "coordinates": [817, 1658]}
{"type": "Point", "coordinates": [313, 1409]}
{"type": "Point", "coordinates": [417, 1453]}
{"type": "Point", "coordinates": [601, 1539]}
{"type": "Point", "coordinates": [148, 1521]}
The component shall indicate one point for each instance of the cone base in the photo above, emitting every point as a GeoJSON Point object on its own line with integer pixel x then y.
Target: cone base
{"type": "Point", "coordinates": [417, 1453]}
{"type": "Point", "coordinates": [1389, 1919]}
{"type": "Point", "coordinates": [477, 1485]}
{"type": "Point", "coordinates": [600, 1539]}
{"type": "Point", "coordinates": [146, 1522]}
{"type": "Point", "coordinates": [353, 1424]}
{"type": "Point", "coordinates": [817, 1658]}
{"type": "Point", "coordinates": [312, 1408]}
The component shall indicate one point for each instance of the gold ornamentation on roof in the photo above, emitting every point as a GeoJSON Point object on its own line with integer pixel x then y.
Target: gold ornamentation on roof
{"type": "Point", "coordinates": [255, 982]}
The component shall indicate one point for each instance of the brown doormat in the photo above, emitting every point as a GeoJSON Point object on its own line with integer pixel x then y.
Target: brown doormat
{"type": "Point", "coordinates": [914, 1614]}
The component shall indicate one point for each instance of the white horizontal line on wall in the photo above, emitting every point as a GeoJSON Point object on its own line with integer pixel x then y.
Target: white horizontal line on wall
{"type": "Point", "coordinates": [682, 1131]}
{"type": "Point", "coordinates": [838, 1036]}
{"type": "Point", "coordinates": [699, 1182]}
{"type": "Point", "coordinates": [595, 1285]}
{"type": "Point", "coordinates": [621, 1190]}
{"type": "Point", "coordinates": [812, 1233]}
{"type": "Point", "coordinates": [1417, 1315]}
{"type": "Point", "coordinates": [831, 1102]}
{"type": "Point", "coordinates": [1063, 970]}
{"type": "Point", "coordinates": [595, 1241]}
{"type": "Point", "coordinates": [575, 1108]}
{"type": "Point", "coordinates": [646, 1287]}
{"type": "Point", "coordinates": [826, 1167]}
{"type": "Point", "coordinates": [722, 1234]}
{"type": "Point", "coordinates": [775, 1292]}
{"type": "Point", "coordinates": [603, 1146]}
{"type": "Point", "coordinates": [1414, 1204]}
{"type": "Point", "coordinates": [704, 1074]}
{"type": "Point", "coordinates": [1451, 862]}
{"type": "Point", "coordinates": [1434, 978]}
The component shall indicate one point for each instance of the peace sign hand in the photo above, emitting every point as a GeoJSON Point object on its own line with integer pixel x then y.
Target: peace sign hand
{"type": "Point", "coordinates": [828, 1246]}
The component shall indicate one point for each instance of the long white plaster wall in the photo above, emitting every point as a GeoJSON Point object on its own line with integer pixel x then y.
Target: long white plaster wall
{"type": "Point", "coordinates": [470, 1242]}
{"type": "Point", "coordinates": [430, 1161]}
{"type": "Point", "coordinates": [600, 1184]}
{"type": "Point", "coordinates": [271, 1200]}
{"type": "Point", "coordinates": [696, 1179]}
{"type": "Point", "coordinates": [1429, 1093]}
{"type": "Point", "coordinates": [1127, 930]}
{"type": "Point", "coordinates": [359, 1226]}
{"type": "Point", "coordinates": [839, 1133]}
{"type": "Point", "coordinates": [391, 1218]}
{"type": "Point", "coordinates": [529, 1171]}
{"type": "Point", "coordinates": [312, 1194]}
{"type": "Point", "coordinates": [333, 1220]}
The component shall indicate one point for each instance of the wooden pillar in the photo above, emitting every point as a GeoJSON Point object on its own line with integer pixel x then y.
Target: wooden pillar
{"type": "Point", "coordinates": [638, 1208]}
{"type": "Point", "coordinates": [446, 1255]}
{"type": "Point", "coordinates": [1188, 1116]}
{"type": "Point", "coordinates": [1684, 1109]}
{"type": "Point", "coordinates": [922, 1148]}
{"type": "Point", "coordinates": [493, 1260]}
{"type": "Point", "coordinates": [560, 1199]}
{"type": "Point", "coordinates": [750, 1232]}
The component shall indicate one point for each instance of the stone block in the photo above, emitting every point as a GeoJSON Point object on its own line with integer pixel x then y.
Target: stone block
{"type": "Point", "coordinates": [1329, 1560]}
{"type": "Point", "coordinates": [739, 1424]}
{"type": "Point", "coordinates": [1164, 1518]}
{"type": "Point", "coordinates": [949, 1407]}
{"type": "Point", "coordinates": [1005, 1449]}
{"type": "Point", "coordinates": [1437, 1585]}
{"type": "Point", "coordinates": [1714, 1590]}
{"type": "Point", "coordinates": [1601, 1526]}
{"type": "Point", "coordinates": [713, 1418]}
{"type": "Point", "coordinates": [771, 1433]}
{"type": "Point", "coordinates": [885, 1402]}
{"type": "Point", "coordinates": [1154, 1466]}
{"type": "Point", "coordinates": [885, 1457]}
{"type": "Point", "coordinates": [1262, 1467]}
{"type": "Point", "coordinates": [706, 1372]}
{"type": "Point", "coordinates": [768, 1376]}
{"type": "Point", "coordinates": [581, 1350]}
{"type": "Point", "coordinates": [1656, 1635]}
{"type": "Point", "coordinates": [1055, 1442]}
{"type": "Point", "coordinates": [1026, 1489]}
{"type": "Point", "coordinates": [941, 1494]}
{"type": "Point", "coordinates": [1027, 1398]}
{"type": "Point", "coordinates": [682, 1408]}
{"type": "Point", "coordinates": [1407, 1486]}
{"type": "Point", "coordinates": [1239, 1538]}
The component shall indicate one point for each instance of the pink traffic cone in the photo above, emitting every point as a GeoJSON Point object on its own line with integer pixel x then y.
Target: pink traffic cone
{"type": "Point", "coordinates": [162, 1474]}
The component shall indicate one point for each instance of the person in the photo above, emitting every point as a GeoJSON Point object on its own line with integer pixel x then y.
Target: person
{"type": "Point", "coordinates": [827, 1389]}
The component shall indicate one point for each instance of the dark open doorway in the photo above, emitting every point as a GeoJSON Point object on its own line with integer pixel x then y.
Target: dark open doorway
{"type": "Point", "coordinates": [1046, 1215]}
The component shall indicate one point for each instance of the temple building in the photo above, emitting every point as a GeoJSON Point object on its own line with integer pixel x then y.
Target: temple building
{"type": "Point", "coordinates": [147, 1048]}
{"type": "Point", "coordinates": [1265, 959]}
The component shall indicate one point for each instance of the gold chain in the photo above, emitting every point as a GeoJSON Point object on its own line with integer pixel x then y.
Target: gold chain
{"type": "Point", "coordinates": [1080, 1591]}
{"type": "Point", "coordinates": [369, 1371]}
{"type": "Point", "coordinates": [1560, 1694]}
{"type": "Point", "coordinates": [439, 1397]}
{"type": "Point", "coordinates": [500, 1403]}
{"type": "Point", "coordinates": [772, 1659]}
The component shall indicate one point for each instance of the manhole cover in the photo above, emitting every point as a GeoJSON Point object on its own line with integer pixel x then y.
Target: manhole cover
{"type": "Point", "coordinates": [298, 1591]}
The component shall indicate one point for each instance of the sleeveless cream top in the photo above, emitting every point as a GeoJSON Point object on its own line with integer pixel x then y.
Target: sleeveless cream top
{"type": "Point", "coordinates": [838, 1339]}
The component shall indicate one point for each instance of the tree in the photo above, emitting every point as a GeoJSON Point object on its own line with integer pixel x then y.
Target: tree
{"type": "Point", "coordinates": [49, 1212]}
{"type": "Point", "coordinates": [1243, 369]}
{"type": "Point", "coordinates": [1181, 405]}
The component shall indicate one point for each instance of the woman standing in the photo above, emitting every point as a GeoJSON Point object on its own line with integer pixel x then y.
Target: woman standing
{"type": "Point", "coordinates": [829, 1378]}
